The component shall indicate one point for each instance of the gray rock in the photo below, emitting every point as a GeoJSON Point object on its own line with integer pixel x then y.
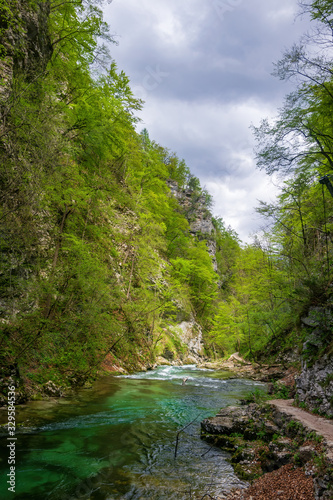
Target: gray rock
{"type": "Point", "coordinates": [228, 421]}
{"type": "Point", "coordinates": [321, 488]}
{"type": "Point", "coordinates": [314, 386]}
{"type": "Point", "coordinates": [271, 428]}
{"type": "Point", "coordinates": [282, 458]}
{"type": "Point", "coordinates": [218, 425]}
{"type": "Point", "coordinates": [248, 422]}
{"type": "Point", "coordinates": [51, 389]}
{"type": "Point", "coordinates": [198, 216]}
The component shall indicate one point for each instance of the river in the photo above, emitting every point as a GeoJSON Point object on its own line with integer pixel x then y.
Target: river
{"type": "Point", "coordinates": [117, 440]}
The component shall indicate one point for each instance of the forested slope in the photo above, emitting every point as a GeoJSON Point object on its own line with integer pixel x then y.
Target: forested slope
{"type": "Point", "coordinates": [97, 255]}
{"type": "Point", "coordinates": [280, 305]}
{"type": "Point", "coordinates": [107, 240]}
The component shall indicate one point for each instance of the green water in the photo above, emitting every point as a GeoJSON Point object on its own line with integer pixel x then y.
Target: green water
{"type": "Point", "coordinates": [117, 440]}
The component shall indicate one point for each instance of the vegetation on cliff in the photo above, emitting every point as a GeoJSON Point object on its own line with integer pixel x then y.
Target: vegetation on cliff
{"type": "Point", "coordinates": [98, 256]}
{"type": "Point", "coordinates": [288, 271]}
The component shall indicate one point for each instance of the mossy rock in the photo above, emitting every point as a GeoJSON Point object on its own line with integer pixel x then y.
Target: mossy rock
{"type": "Point", "coordinates": [37, 397]}
{"type": "Point", "coordinates": [225, 442]}
{"type": "Point", "coordinates": [243, 454]}
{"type": "Point", "coordinates": [248, 471]}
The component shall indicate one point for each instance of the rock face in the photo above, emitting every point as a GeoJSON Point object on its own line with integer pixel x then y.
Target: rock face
{"type": "Point", "coordinates": [51, 389]}
{"type": "Point", "coordinates": [247, 420]}
{"type": "Point", "coordinates": [198, 216]}
{"type": "Point", "coordinates": [314, 386]}
{"type": "Point", "coordinates": [26, 43]}
{"type": "Point", "coordinates": [248, 434]}
{"type": "Point", "coordinates": [190, 333]}
{"type": "Point", "coordinates": [25, 46]}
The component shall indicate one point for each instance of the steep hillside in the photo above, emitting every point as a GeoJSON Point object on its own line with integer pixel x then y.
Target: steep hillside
{"type": "Point", "coordinates": [110, 256]}
{"type": "Point", "coordinates": [101, 266]}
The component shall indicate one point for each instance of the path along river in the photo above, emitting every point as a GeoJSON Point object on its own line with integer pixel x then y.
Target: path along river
{"type": "Point", "coordinates": [117, 440]}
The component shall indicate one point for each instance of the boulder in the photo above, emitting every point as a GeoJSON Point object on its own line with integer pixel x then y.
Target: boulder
{"type": "Point", "coordinates": [230, 420]}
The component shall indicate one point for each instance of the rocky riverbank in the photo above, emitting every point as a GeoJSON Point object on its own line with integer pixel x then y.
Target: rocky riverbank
{"type": "Point", "coordinates": [240, 368]}
{"type": "Point", "coordinates": [271, 444]}
{"type": "Point", "coordinates": [234, 367]}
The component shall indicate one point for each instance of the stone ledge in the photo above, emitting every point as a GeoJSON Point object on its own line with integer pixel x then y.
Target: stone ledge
{"type": "Point", "coordinates": [311, 423]}
{"type": "Point", "coordinates": [263, 438]}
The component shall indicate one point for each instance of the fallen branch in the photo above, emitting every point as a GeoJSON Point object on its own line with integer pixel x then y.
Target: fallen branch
{"type": "Point", "coordinates": [207, 451]}
{"type": "Point", "coordinates": [181, 430]}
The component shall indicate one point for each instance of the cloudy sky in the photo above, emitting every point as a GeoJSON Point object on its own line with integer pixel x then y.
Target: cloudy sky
{"type": "Point", "coordinates": [203, 68]}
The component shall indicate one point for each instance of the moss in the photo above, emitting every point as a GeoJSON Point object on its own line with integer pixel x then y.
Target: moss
{"type": "Point", "coordinates": [293, 428]}
{"type": "Point", "coordinates": [37, 397]}
{"type": "Point", "coordinates": [248, 471]}
{"type": "Point", "coordinates": [228, 443]}
{"type": "Point", "coordinates": [242, 454]}
{"type": "Point", "coordinates": [325, 383]}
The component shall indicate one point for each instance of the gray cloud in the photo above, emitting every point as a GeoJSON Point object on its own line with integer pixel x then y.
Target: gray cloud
{"type": "Point", "coordinates": [204, 70]}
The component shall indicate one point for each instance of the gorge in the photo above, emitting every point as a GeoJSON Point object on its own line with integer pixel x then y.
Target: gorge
{"type": "Point", "coordinates": [113, 263]}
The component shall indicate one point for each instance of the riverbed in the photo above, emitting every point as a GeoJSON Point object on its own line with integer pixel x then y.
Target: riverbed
{"type": "Point", "coordinates": [117, 440]}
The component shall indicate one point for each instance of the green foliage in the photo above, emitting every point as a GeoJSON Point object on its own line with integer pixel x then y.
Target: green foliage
{"type": "Point", "coordinates": [315, 437]}
{"type": "Point", "coordinates": [12, 24]}
{"type": "Point", "coordinates": [294, 426]}
{"type": "Point", "coordinates": [228, 250]}
{"type": "Point", "coordinates": [257, 396]}
{"type": "Point", "coordinates": [254, 310]}
{"type": "Point", "coordinates": [297, 146]}
{"type": "Point", "coordinates": [197, 274]}
{"type": "Point", "coordinates": [280, 391]}
{"type": "Point", "coordinates": [97, 255]}
{"type": "Point", "coordinates": [327, 381]}
{"type": "Point", "coordinates": [297, 459]}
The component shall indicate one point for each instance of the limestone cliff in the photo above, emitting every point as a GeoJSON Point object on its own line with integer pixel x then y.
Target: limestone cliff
{"type": "Point", "coordinates": [24, 40]}
{"type": "Point", "coordinates": [87, 231]}
{"type": "Point", "coordinates": [198, 216]}
{"type": "Point", "coordinates": [190, 334]}
{"type": "Point", "coordinates": [314, 386]}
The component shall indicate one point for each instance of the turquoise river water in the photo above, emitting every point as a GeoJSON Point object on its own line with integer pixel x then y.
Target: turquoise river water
{"type": "Point", "coordinates": [117, 440]}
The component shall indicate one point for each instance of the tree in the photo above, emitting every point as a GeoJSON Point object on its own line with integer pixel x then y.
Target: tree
{"type": "Point", "coordinates": [301, 137]}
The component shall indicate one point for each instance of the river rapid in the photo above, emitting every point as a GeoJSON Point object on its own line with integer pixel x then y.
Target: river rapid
{"type": "Point", "coordinates": [117, 440]}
